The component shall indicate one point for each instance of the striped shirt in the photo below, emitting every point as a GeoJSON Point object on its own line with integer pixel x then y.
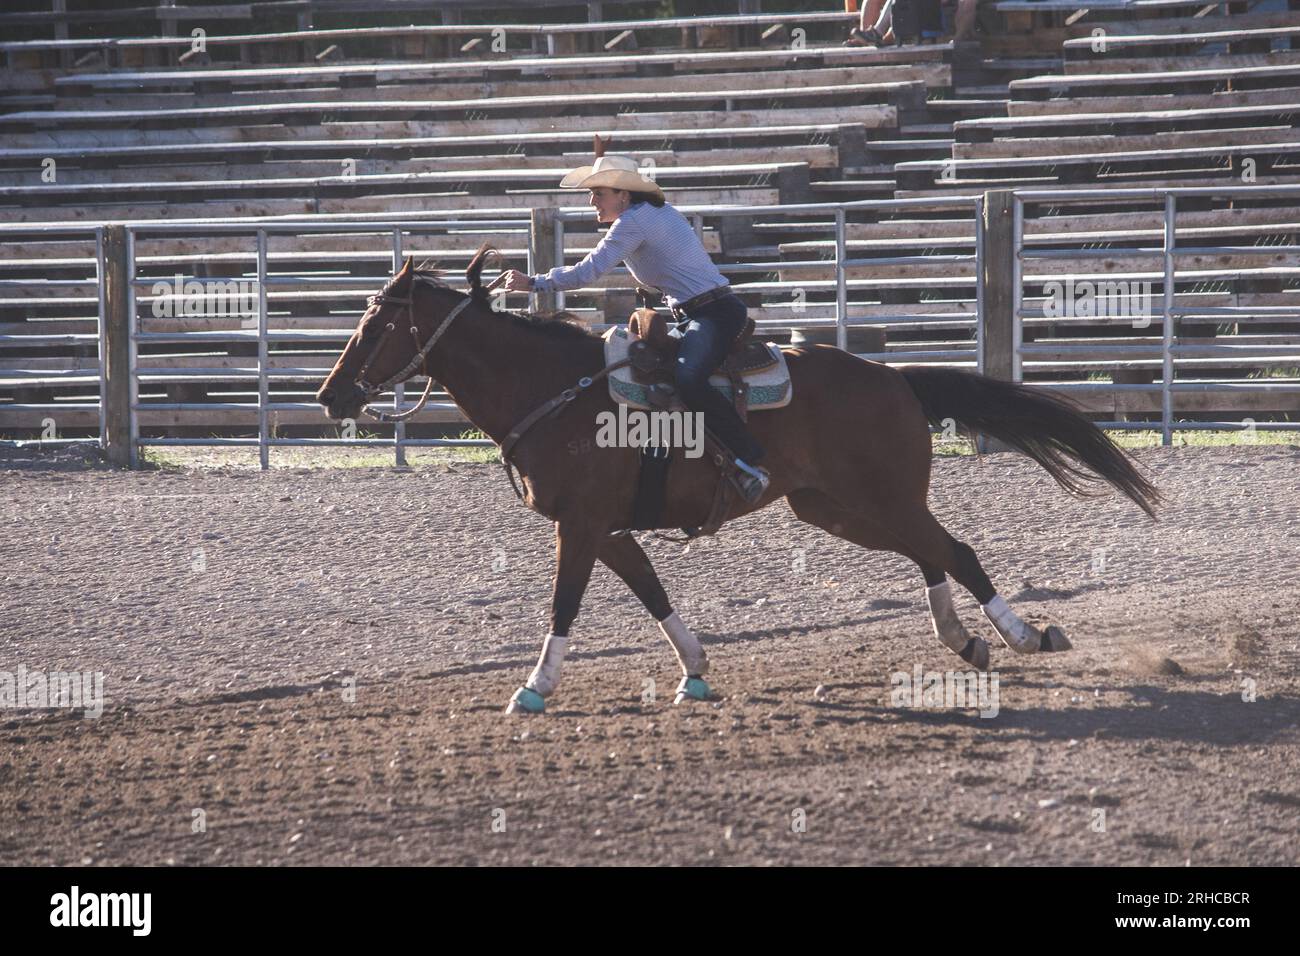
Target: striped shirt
{"type": "Point", "coordinates": [660, 248]}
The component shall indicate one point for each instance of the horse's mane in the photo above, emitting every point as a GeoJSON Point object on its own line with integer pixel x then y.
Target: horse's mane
{"type": "Point", "coordinates": [559, 325]}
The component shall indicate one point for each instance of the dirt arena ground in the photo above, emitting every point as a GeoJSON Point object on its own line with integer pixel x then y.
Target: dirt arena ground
{"type": "Point", "coordinates": [309, 666]}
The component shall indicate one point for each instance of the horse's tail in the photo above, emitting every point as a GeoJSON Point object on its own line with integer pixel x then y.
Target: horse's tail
{"type": "Point", "coordinates": [1046, 427]}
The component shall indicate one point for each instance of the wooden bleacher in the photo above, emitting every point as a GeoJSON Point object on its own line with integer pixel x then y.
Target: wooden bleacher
{"type": "Point", "coordinates": [1212, 114]}
{"type": "Point", "coordinates": [443, 32]}
{"type": "Point", "coordinates": [433, 123]}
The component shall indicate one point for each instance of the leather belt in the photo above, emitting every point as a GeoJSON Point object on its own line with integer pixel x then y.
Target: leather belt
{"type": "Point", "coordinates": [704, 298]}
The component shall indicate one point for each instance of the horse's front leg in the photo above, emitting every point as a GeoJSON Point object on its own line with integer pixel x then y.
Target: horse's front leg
{"type": "Point", "coordinates": [576, 545]}
{"type": "Point", "coordinates": [625, 557]}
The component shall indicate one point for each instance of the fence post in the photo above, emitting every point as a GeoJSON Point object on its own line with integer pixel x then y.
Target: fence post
{"type": "Point", "coordinates": [117, 347]}
{"type": "Point", "coordinates": [541, 254]}
{"type": "Point", "coordinates": [997, 293]}
{"type": "Point", "coordinates": [399, 390]}
{"type": "Point", "coordinates": [1168, 326]}
{"type": "Point", "coordinates": [263, 384]}
{"type": "Point", "coordinates": [841, 284]}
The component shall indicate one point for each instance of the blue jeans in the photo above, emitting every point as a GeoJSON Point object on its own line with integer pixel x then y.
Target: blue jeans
{"type": "Point", "coordinates": [706, 340]}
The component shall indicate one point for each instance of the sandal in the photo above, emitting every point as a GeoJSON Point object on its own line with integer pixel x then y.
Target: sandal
{"type": "Point", "coordinates": [874, 38]}
{"type": "Point", "coordinates": [868, 37]}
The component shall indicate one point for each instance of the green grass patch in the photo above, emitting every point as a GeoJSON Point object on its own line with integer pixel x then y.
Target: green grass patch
{"type": "Point", "coordinates": [1206, 439]}
{"type": "Point", "coordinates": [154, 458]}
{"type": "Point", "coordinates": [1151, 439]}
{"type": "Point", "coordinates": [485, 455]}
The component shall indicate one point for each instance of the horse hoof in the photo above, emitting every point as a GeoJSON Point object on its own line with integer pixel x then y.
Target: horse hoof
{"type": "Point", "coordinates": [1054, 639]}
{"type": "Point", "coordinates": [691, 688]}
{"type": "Point", "coordinates": [526, 701]}
{"type": "Point", "coordinates": [976, 653]}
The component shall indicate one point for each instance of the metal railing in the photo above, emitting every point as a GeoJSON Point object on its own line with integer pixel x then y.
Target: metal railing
{"type": "Point", "coordinates": [842, 319]}
{"type": "Point", "coordinates": [48, 377]}
{"type": "Point", "coordinates": [264, 337]}
{"type": "Point", "coordinates": [1168, 351]}
{"type": "Point", "coordinates": [839, 313]}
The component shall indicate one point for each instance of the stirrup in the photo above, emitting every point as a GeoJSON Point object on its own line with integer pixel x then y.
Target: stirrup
{"type": "Point", "coordinates": [752, 489]}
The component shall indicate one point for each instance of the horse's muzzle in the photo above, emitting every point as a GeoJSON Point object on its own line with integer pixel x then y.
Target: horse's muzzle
{"type": "Point", "coordinates": [341, 403]}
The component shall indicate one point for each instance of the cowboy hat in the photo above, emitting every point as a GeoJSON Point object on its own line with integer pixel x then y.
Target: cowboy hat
{"type": "Point", "coordinates": [616, 172]}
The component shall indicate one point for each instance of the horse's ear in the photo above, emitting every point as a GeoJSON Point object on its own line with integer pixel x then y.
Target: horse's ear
{"type": "Point", "coordinates": [407, 268]}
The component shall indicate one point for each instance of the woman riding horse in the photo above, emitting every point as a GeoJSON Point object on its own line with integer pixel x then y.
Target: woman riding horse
{"type": "Point", "coordinates": [662, 251]}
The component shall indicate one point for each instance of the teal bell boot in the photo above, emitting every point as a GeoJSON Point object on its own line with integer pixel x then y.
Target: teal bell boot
{"type": "Point", "coordinates": [526, 701]}
{"type": "Point", "coordinates": [691, 688]}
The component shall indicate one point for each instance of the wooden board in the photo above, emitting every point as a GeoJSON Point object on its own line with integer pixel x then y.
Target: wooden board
{"type": "Point", "coordinates": [1141, 66]}
{"type": "Point", "coordinates": [18, 150]}
{"type": "Point", "coordinates": [683, 60]}
{"type": "Point", "coordinates": [1165, 38]}
{"type": "Point", "coordinates": [1135, 103]}
{"type": "Point", "coordinates": [343, 135]}
{"type": "Point", "coordinates": [1287, 72]}
{"type": "Point", "coordinates": [1048, 147]}
{"type": "Point", "coordinates": [1105, 121]}
{"type": "Point", "coordinates": [278, 112]}
{"type": "Point", "coordinates": [1154, 156]}
{"type": "Point", "coordinates": [325, 87]}
{"type": "Point", "coordinates": [483, 180]}
{"type": "Point", "coordinates": [817, 157]}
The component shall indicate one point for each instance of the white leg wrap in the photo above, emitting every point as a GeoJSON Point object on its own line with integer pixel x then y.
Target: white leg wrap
{"type": "Point", "coordinates": [950, 631]}
{"type": "Point", "coordinates": [1018, 635]}
{"type": "Point", "coordinates": [947, 626]}
{"type": "Point", "coordinates": [689, 652]}
{"type": "Point", "coordinates": [546, 675]}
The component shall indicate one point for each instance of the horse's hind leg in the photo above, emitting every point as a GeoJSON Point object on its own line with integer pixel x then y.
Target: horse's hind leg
{"type": "Point", "coordinates": [623, 555]}
{"type": "Point", "coordinates": [931, 544]}
{"type": "Point", "coordinates": [824, 512]}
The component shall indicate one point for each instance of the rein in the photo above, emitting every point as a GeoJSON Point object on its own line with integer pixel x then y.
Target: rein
{"type": "Point", "coordinates": [546, 410]}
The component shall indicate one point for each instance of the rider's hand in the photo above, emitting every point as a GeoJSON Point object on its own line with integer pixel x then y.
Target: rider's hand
{"type": "Point", "coordinates": [517, 281]}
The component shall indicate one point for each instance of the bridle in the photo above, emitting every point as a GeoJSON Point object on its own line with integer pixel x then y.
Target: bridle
{"type": "Point", "coordinates": [418, 360]}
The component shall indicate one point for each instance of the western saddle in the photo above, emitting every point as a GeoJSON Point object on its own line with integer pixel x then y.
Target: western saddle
{"type": "Point", "coordinates": [651, 355]}
{"type": "Point", "coordinates": [653, 351]}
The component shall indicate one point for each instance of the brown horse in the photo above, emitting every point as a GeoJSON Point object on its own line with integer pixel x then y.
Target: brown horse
{"type": "Point", "coordinates": [850, 453]}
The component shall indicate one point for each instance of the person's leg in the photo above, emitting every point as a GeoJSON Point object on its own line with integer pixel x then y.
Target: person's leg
{"type": "Point", "coordinates": [906, 21]}
{"type": "Point", "coordinates": [707, 339]}
{"type": "Point", "coordinates": [863, 34]}
{"type": "Point", "coordinates": [964, 25]}
{"type": "Point", "coordinates": [930, 20]}
{"type": "Point", "coordinates": [873, 20]}
{"type": "Point", "coordinates": [884, 17]}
